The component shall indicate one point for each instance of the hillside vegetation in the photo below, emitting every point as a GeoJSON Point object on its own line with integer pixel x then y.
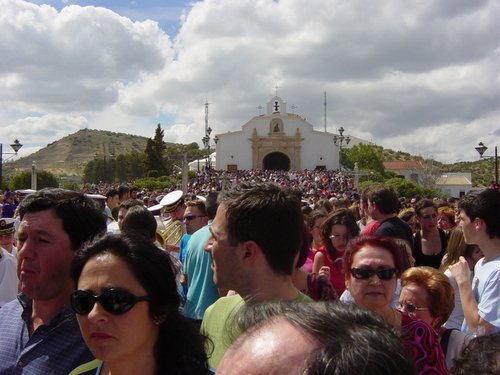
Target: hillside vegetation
{"type": "Point", "coordinates": [70, 154]}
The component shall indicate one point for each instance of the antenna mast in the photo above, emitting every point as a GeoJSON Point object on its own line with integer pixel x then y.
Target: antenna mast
{"type": "Point", "coordinates": [325, 111]}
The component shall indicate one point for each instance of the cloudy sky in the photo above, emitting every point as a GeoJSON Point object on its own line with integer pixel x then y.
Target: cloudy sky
{"type": "Point", "coordinates": [420, 76]}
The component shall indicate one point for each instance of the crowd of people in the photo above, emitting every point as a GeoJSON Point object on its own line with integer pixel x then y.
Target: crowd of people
{"type": "Point", "coordinates": [250, 272]}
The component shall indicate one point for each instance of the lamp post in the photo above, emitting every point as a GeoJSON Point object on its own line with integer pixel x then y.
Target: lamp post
{"type": "Point", "coordinates": [16, 145]}
{"type": "Point", "coordinates": [33, 175]}
{"type": "Point", "coordinates": [481, 148]}
{"type": "Point", "coordinates": [338, 140]}
{"type": "Point", "coordinates": [206, 143]}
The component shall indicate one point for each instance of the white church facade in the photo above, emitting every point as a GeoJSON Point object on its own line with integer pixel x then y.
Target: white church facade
{"type": "Point", "coordinates": [278, 140]}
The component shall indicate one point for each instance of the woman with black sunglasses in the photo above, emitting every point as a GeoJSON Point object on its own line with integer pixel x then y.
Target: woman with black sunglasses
{"type": "Point", "coordinates": [126, 304]}
{"type": "Point", "coordinates": [372, 265]}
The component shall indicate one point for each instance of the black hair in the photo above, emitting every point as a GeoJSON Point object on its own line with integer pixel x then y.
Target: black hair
{"type": "Point", "coordinates": [486, 206]}
{"type": "Point", "coordinates": [111, 193]}
{"type": "Point", "coordinates": [82, 220]}
{"type": "Point", "coordinates": [270, 216]}
{"type": "Point", "coordinates": [342, 216]}
{"type": "Point", "coordinates": [422, 204]}
{"type": "Point", "coordinates": [480, 357]}
{"type": "Point", "coordinates": [384, 197]}
{"type": "Point", "coordinates": [140, 221]}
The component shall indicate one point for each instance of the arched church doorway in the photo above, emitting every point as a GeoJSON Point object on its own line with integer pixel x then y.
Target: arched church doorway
{"type": "Point", "coordinates": [276, 161]}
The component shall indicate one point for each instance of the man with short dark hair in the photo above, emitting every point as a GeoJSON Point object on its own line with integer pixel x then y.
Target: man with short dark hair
{"type": "Point", "coordinates": [383, 206]}
{"type": "Point", "coordinates": [314, 338]}
{"type": "Point", "coordinates": [124, 207]}
{"type": "Point", "coordinates": [480, 222]}
{"type": "Point", "coordinates": [123, 195]}
{"type": "Point", "coordinates": [255, 239]}
{"type": "Point", "coordinates": [201, 290]}
{"type": "Point", "coordinates": [112, 200]}
{"type": "Point", "coordinates": [39, 332]}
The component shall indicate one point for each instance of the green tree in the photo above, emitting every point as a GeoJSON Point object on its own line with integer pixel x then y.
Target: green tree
{"type": "Point", "coordinates": [44, 179]}
{"type": "Point", "coordinates": [368, 157]}
{"type": "Point", "coordinates": [403, 188]}
{"type": "Point", "coordinates": [154, 153]}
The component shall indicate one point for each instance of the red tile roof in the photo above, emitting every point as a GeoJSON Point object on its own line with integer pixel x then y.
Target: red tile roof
{"type": "Point", "coordinates": [396, 165]}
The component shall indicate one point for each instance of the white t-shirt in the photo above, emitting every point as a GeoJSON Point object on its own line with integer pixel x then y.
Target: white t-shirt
{"type": "Point", "coordinates": [456, 318]}
{"type": "Point", "coordinates": [486, 291]}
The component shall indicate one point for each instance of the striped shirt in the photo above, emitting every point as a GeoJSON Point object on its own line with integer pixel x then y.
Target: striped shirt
{"type": "Point", "coordinates": [55, 348]}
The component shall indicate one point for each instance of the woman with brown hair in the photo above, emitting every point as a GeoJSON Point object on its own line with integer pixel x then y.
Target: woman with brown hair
{"type": "Point", "coordinates": [429, 243]}
{"type": "Point", "coordinates": [338, 228]}
{"type": "Point", "coordinates": [446, 219]}
{"type": "Point", "coordinates": [427, 295]}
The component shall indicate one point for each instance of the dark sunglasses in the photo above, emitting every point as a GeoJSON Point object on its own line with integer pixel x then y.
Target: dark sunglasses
{"type": "Point", "coordinates": [190, 217]}
{"type": "Point", "coordinates": [365, 274]}
{"type": "Point", "coordinates": [114, 301]}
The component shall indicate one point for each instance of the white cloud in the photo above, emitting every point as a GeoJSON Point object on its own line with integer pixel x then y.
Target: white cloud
{"type": "Point", "coordinates": [420, 76]}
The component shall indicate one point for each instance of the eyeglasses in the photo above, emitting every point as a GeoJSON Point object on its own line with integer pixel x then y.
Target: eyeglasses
{"type": "Point", "coordinates": [410, 308]}
{"type": "Point", "coordinates": [114, 301]}
{"type": "Point", "coordinates": [191, 217]}
{"type": "Point", "coordinates": [365, 274]}
{"type": "Point", "coordinates": [339, 237]}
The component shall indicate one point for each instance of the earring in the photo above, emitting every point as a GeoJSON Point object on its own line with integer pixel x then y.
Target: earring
{"type": "Point", "coordinates": [159, 319]}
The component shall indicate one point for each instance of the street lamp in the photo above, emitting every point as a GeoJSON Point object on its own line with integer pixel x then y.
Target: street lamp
{"type": "Point", "coordinates": [15, 146]}
{"type": "Point", "coordinates": [338, 140]}
{"type": "Point", "coordinates": [481, 148]}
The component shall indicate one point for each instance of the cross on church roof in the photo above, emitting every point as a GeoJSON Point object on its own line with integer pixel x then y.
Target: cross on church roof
{"type": "Point", "coordinates": [276, 87]}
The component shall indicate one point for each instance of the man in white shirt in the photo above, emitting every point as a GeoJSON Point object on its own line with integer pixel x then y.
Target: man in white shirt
{"type": "Point", "coordinates": [480, 221]}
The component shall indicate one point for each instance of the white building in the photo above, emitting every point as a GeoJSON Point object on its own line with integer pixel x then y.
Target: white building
{"type": "Point", "coordinates": [455, 184]}
{"type": "Point", "coordinates": [278, 140]}
{"type": "Point", "coordinates": [411, 170]}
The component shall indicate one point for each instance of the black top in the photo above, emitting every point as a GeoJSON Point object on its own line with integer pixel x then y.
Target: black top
{"type": "Point", "coordinates": [394, 227]}
{"type": "Point", "coordinates": [429, 260]}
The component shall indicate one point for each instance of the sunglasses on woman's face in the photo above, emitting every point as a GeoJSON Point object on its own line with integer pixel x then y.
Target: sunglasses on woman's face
{"type": "Point", "coordinates": [365, 273]}
{"type": "Point", "coordinates": [114, 301]}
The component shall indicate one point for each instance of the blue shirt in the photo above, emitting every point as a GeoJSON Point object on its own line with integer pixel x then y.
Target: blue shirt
{"type": "Point", "coordinates": [202, 291]}
{"type": "Point", "coordinates": [55, 348]}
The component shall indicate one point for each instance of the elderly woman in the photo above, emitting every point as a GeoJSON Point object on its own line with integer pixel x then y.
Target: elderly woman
{"type": "Point", "coordinates": [338, 228]}
{"type": "Point", "coordinates": [127, 304]}
{"type": "Point", "coordinates": [372, 265]}
{"type": "Point", "coordinates": [446, 219]}
{"type": "Point", "coordinates": [427, 295]}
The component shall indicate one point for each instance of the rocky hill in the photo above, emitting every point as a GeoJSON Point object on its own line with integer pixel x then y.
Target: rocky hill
{"type": "Point", "coordinates": [69, 155]}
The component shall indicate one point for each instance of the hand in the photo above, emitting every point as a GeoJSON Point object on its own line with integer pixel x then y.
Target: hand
{"type": "Point", "coordinates": [324, 271]}
{"type": "Point", "coordinates": [460, 271]}
{"type": "Point", "coordinates": [171, 248]}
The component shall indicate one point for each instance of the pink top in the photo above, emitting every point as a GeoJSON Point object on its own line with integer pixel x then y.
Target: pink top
{"type": "Point", "coordinates": [422, 343]}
